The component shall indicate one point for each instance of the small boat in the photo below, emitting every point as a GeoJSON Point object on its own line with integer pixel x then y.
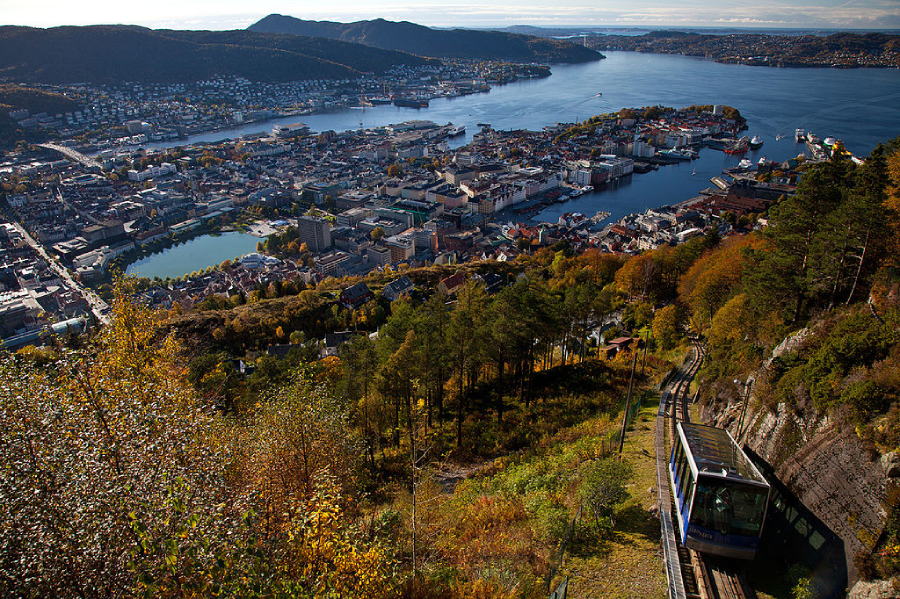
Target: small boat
{"type": "Point", "coordinates": [756, 143]}
{"type": "Point", "coordinates": [587, 189]}
{"type": "Point", "coordinates": [800, 135]}
{"type": "Point", "coordinates": [694, 172]}
{"type": "Point", "coordinates": [563, 198]}
{"type": "Point", "coordinates": [779, 137]}
{"type": "Point", "coordinates": [575, 193]}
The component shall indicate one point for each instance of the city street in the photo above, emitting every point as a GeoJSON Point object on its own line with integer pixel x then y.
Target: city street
{"type": "Point", "coordinates": [99, 308]}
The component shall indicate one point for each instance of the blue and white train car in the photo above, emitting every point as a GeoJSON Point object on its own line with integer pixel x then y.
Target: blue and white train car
{"type": "Point", "coordinates": [720, 495]}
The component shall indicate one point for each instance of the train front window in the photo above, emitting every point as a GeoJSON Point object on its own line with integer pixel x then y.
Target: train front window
{"type": "Point", "coordinates": [729, 508]}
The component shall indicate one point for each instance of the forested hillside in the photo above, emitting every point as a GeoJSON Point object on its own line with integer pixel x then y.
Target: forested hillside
{"type": "Point", "coordinates": [441, 43]}
{"type": "Point", "coordinates": [845, 49]}
{"type": "Point", "coordinates": [14, 97]}
{"type": "Point", "coordinates": [446, 455]}
{"type": "Point", "coordinates": [116, 53]}
{"type": "Point", "coordinates": [823, 276]}
{"type": "Point", "coordinates": [335, 477]}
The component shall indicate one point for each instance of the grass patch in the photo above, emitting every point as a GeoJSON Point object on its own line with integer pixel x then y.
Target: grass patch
{"type": "Point", "coordinates": [626, 563]}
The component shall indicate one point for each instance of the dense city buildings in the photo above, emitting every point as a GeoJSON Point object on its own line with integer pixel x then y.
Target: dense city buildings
{"type": "Point", "coordinates": [348, 203]}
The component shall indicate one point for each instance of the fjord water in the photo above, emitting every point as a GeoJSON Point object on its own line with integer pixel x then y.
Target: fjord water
{"type": "Point", "coordinates": [859, 106]}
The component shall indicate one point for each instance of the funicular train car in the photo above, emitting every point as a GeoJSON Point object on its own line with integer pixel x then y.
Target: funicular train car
{"type": "Point", "coordinates": [720, 495]}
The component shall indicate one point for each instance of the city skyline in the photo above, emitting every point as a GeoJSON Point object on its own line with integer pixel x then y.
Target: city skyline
{"type": "Point", "coordinates": [230, 14]}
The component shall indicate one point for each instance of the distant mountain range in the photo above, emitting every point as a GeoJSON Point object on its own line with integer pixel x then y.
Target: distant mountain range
{"type": "Point", "coordinates": [116, 53]}
{"type": "Point", "coordinates": [440, 43]}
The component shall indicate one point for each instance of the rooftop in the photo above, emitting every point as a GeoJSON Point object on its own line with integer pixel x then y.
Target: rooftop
{"type": "Point", "coordinates": [715, 452]}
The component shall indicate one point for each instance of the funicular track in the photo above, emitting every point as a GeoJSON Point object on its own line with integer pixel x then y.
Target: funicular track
{"type": "Point", "coordinates": [691, 575]}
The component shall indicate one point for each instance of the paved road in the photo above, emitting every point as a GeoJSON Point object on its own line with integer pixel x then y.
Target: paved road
{"type": "Point", "coordinates": [70, 153]}
{"type": "Point", "coordinates": [99, 308]}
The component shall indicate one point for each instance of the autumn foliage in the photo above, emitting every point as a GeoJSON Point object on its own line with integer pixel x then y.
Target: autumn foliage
{"type": "Point", "coordinates": [116, 480]}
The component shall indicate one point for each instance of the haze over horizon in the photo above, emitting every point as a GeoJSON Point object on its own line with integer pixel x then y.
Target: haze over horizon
{"type": "Point", "coordinates": [231, 14]}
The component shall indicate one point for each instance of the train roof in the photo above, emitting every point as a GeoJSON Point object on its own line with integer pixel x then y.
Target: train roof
{"type": "Point", "coordinates": [714, 452]}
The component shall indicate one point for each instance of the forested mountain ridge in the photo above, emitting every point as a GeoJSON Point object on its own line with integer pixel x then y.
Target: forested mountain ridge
{"type": "Point", "coordinates": [848, 50]}
{"type": "Point", "coordinates": [116, 53]}
{"type": "Point", "coordinates": [439, 43]}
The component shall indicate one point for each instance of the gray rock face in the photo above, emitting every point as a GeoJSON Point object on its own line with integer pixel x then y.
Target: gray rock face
{"type": "Point", "coordinates": [891, 464]}
{"type": "Point", "coordinates": [824, 465]}
{"type": "Point", "coordinates": [876, 589]}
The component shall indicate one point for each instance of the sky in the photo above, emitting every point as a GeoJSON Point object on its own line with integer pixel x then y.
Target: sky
{"type": "Point", "coordinates": [238, 14]}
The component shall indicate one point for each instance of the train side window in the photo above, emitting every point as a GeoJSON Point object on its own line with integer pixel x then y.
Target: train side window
{"type": "Point", "coordinates": [676, 455]}
{"type": "Point", "coordinates": [690, 494]}
{"type": "Point", "coordinates": [676, 461]}
{"type": "Point", "coordinates": [683, 469]}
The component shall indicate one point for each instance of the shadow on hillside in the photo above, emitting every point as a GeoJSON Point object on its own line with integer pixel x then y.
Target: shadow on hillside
{"type": "Point", "coordinates": [590, 543]}
{"type": "Point", "coordinates": [795, 539]}
{"type": "Point", "coordinates": [635, 520]}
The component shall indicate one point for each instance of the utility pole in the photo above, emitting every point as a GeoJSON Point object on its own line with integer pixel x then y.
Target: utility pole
{"type": "Point", "coordinates": [628, 401]}
{"type": "Point", "coordinates": [747, 386]}
{"type": "Point", "coordinates": [644, 361]}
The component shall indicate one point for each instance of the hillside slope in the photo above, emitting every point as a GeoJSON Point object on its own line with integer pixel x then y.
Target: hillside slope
{"type": "Point", "coordinates": [115, 53]}
{"type": "Point", "coordinates": [417, 39]}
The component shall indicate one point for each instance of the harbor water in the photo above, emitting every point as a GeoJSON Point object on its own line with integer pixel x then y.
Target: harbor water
{"type": "Point", "coordinates": [859, 106]}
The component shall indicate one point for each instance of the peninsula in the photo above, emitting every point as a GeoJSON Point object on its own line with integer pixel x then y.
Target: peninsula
{"type": "Point", "coordinates": [841, 50]}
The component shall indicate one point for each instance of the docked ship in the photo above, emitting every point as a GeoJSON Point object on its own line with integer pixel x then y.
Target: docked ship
{"type": "Point", "coordinates": [737, 146]}
{"type": "Point", "coordinates": [384, 98]}
{"type": "Point", "coordinates": [680, 153]}
{"type": "Point", "coordinates": [410, 103]}
{"type": "Point", "coordinates": [800, 135]}
{"type": "Point", "coordinates": [458, 130]}
{"type": "Point", "coordinates": [756, 143]}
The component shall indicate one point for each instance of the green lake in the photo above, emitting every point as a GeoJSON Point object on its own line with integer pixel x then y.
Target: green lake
{"type": "Point", "coordinates": [196, 254]}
